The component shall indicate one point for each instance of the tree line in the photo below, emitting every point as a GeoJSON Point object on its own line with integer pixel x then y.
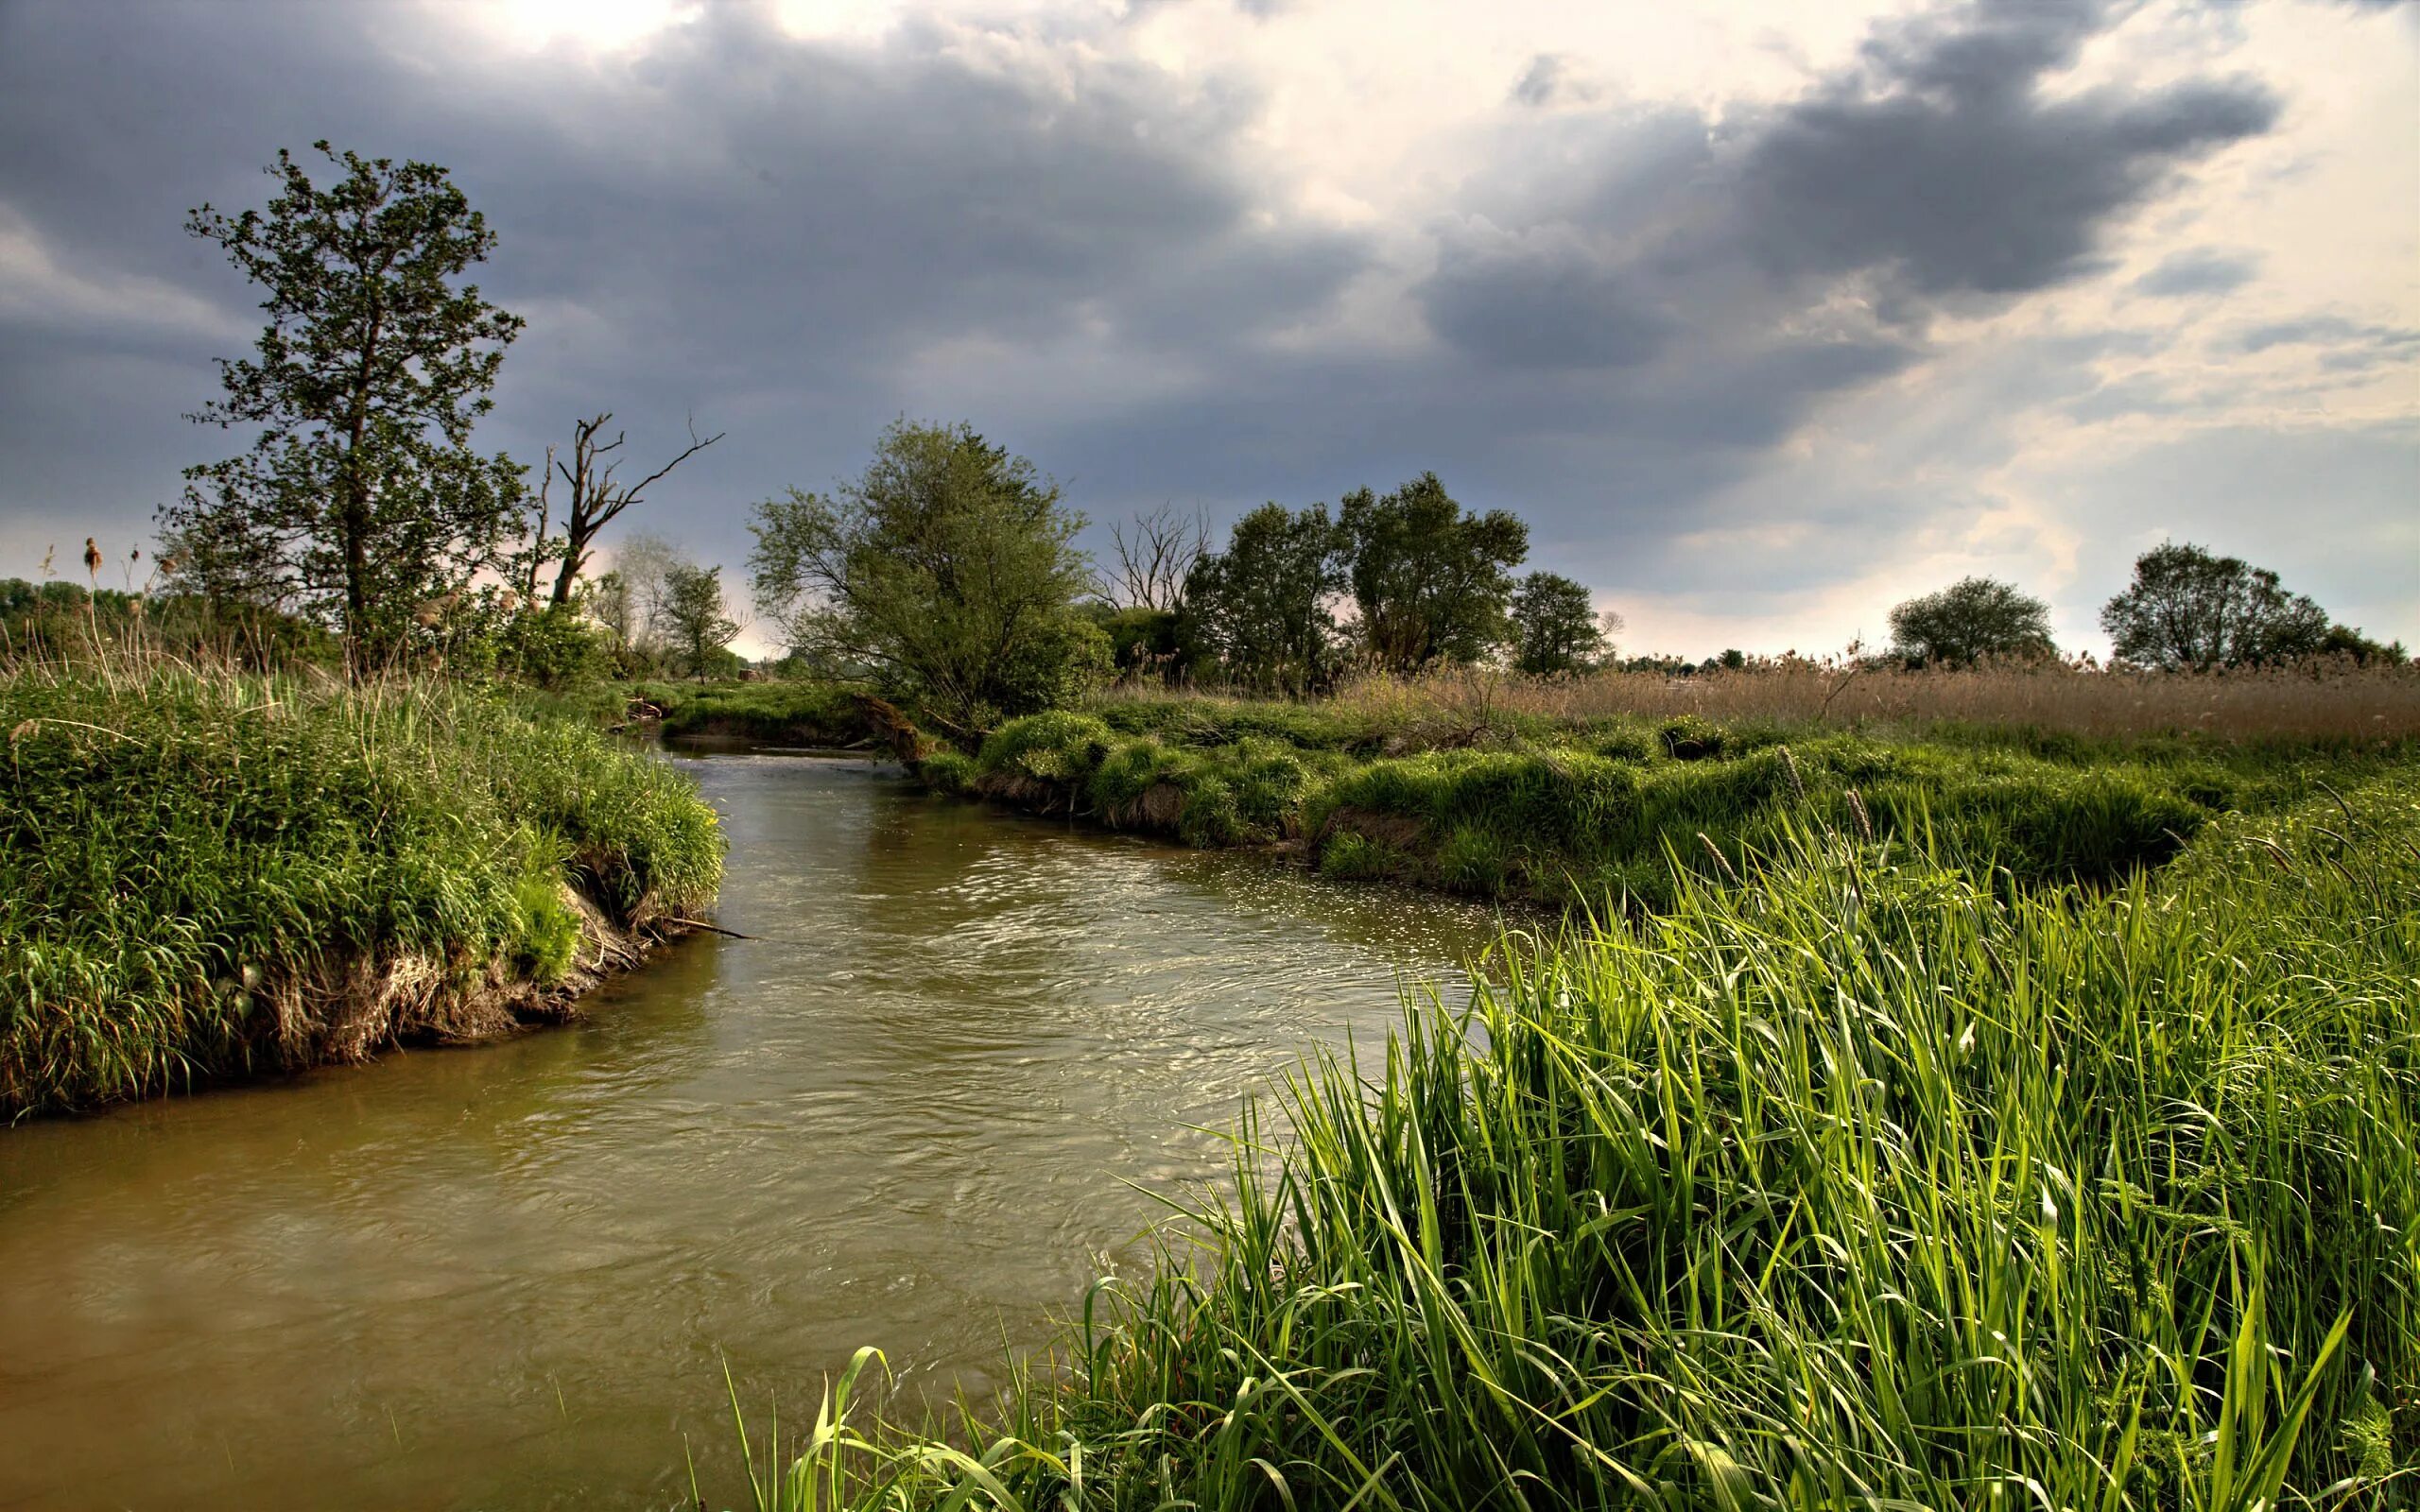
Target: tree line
{"type": "Point", "coordinates": [362, 512]}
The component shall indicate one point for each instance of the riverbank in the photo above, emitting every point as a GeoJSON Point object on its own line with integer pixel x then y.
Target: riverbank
{"type": "Point", "coordinates": [1856, 1179]}
{"type": "Point", "coordinates": [1616, 810]}
{"type": "Point", "coordinates": [208, 874]}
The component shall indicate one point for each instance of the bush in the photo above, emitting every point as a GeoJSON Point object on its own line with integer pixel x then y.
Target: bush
{"type": "Point", "coordinates": [554, 648]}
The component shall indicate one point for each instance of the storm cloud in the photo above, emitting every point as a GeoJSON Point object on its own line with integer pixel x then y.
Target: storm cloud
{"type": "Point", "coordinates": [1617, 323]}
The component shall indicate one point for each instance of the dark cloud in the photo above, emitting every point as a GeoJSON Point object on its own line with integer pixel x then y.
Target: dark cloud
{"type": "Point", "coordinates": [1942, 168]}
{"type": "Point", "coordinates": [2198, 270]}
{"type": "Point", "coordinates": [1544, 301]}
{"type": "Point", "coordinates": [2346, 344]}
{"type": "Point", "coordinates": [798, 241]}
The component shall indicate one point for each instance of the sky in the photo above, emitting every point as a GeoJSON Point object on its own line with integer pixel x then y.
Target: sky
{"type": "Point", "coordinates": [1765, 313]}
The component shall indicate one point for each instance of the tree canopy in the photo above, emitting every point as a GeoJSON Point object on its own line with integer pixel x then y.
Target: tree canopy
{"type": "Point", "coordinates": [2190, 609]}
{"type": "Point", "coordinates": [947, 569]}
{"type": "Point", "coordinates": [361, 499]}
{"type": "Point", "coordinates": [1260, 608]}
{"type": "Point", "coordinates": [1432, 582]}
{"type": "Point", "coordinates": [695, 620]}
{"type": "Point", "coordinates": [1555, 627]}
{"type": "Point", "coordinates": [1972, 620]}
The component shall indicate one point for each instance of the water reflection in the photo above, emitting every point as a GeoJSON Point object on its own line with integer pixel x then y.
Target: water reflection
{"type": "Point", "coordinates": [506, 1277]}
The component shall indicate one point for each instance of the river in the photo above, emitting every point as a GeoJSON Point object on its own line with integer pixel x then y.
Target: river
{"type": "Point", "coordinates": [914, 1114]}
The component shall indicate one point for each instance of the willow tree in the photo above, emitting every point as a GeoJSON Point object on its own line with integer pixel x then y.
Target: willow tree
{"type": "Point", "coordinates": [361, 502]}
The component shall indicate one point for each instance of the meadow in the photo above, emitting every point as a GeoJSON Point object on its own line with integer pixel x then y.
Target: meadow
{"type": "Point", "coordinates": [207, 872]}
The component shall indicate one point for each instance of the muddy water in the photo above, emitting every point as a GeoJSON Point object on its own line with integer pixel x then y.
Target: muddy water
{"type": "Point", "coordinates": [511, 1277]}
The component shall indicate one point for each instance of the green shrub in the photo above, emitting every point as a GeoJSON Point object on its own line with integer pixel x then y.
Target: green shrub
{"type": "Point", "coordinates": [948, 772]}
{"type": "Point", "coordinates": [1057, 746]}
{"type": "Point", "coordinates": [1689, 738]}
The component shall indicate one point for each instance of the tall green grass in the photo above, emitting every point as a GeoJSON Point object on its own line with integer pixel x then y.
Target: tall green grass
{"type": "Point", "coordinates": [205, 872]}
{"type": "Point", "coordinates": [1859, 1182]}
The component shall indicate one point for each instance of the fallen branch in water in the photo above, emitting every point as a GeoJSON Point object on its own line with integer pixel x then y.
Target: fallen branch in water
{"type": "Point", "coordinates": [699, 923]}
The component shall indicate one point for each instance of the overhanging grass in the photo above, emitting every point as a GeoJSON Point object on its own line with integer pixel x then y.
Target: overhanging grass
{"type": "Point", "coordinates": [1853, 1184]}
{"type": "Point", "coordinates": [197, 867]}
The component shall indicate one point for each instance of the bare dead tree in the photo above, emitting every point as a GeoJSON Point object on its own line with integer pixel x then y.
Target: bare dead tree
{"type": "Point", "coordinates": [596, 498]}
{"type": "Point", "coordinates": [1154, 560]}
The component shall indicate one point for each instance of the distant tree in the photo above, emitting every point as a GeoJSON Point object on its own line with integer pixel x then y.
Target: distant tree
{"type": "Point", "coordinates": [596, 498]}
{"type": "Point", "coordinates": [361, 499]}
{"type": "Point", "coordinates": [634, 609]}
{"type": "Point", "coordinates": [1260, 610]}
{"type": "Point", "coordinates": [694, 618]}
{"type": "Point", "coordinates": [1431, 582]}
{"type": "Point", "coordinates": [2187, 609]}
{"type": "Point", "coordinates": [947, 569]}
{"type": "Point", "coordinates": [1155, 554]}
{"type": "Point", "coordinates": [1555, 628]}
{"type": "Point", "coordinates": [1971, 620]}
{"type": "Point", "coordinates": [2350, 643]}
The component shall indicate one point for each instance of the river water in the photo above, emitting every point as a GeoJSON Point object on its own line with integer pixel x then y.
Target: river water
{"type": "Point", "coordinates": [914, 1114]}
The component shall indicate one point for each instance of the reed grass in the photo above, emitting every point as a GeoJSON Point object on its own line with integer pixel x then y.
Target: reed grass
{"type": "Point", "coordinates": [1859, 1182]}
{"type": "Point", "coordinates": [2326, 699]}
{"type": "Point", "coordinates": [205, 873]}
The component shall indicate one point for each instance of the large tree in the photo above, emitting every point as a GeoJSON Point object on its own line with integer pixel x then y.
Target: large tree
{"type": "Point", "coordinates": [1555, 627]}
{"type": "Point", "coordinates": [361, 499]}
{"type": "Point", "coordinates": [1260, 609]}
{"type": "Point", "coordinates": [1971, 620]}
{"type": "Point", "coordinates": [2188, 609]}
{"type": "Point", "coordinates": [947, 569]}
{"type": "Point", "coordinates": [1433, 583]}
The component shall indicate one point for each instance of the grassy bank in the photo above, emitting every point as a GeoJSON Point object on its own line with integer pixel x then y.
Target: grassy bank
{"type": "Point", "coordinates": [1506, 804]}
{"type": "Point", "coordinates": [1854, 1182]}
{"type": "Point", "coordinates": [207, 873]}
{"type": "Point", "coordinates": [774, 713]}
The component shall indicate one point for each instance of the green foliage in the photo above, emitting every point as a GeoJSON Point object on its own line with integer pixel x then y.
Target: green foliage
{"type": "Point", "coordinates": [694, 621]}
{"type": "Point", "coordinates": [1433, 584]}
{"type": "Point", "coordinates": [1258, 611]}
{"type": "Point", "coordinates": [1143, 641]}
{"type": "Point", "coordinates": [1055, 746]}
{"type": "Point", "coordinates": [947, 572]}
{"type": "Point", "coordinates": [554, 648]}
{"type": "Point", "coordinates": [1554, 626]}
{"type": "Point", "coordinates": [775, 712]}
{"type": "Point", "coordinates": [948, 772]}
{"type": "Point", "coordinates": [361, 499]}
{"type": "Point", "coordinates": [546, 932]}
{"type": "Point", "coordinates": [66, 620]}
{"type": "Point", "coordinates": [191, 862]}
{"type": "Point", "coordinates": [1855, 1183]}
{"type": "Point", "coordinates": [2191, 610]}
{"type": "Point", "coordinates": [1689, 738]}
{"type": "Point", "coordinates": [1972, 620]}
